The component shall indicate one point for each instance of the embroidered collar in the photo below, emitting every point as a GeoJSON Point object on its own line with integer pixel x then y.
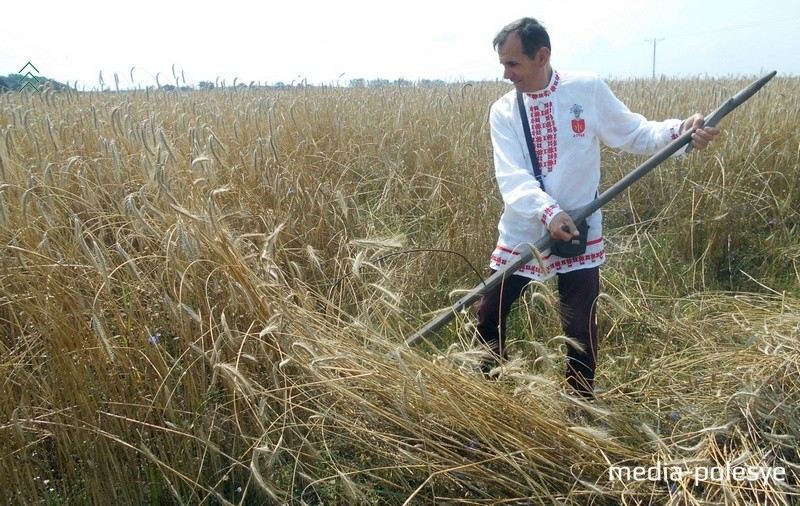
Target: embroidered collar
{"type": "Point", "coordinates": [549, 90]}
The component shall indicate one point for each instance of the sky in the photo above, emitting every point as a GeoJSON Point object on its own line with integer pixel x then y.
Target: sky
{"type": "Point", "coordinates": [145, 42]}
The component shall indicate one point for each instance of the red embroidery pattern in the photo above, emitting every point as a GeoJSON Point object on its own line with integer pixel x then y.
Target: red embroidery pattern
{"type": "Point", "coordinates": [543, 127]}
{"type": "Point", "coordinates": [534, 267]}
{"type": "Point", "coordinates": [547, 213]}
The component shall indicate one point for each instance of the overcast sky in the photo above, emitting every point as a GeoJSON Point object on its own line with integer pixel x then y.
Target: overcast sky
{"type": "Point", "coordinates": [328, 42]}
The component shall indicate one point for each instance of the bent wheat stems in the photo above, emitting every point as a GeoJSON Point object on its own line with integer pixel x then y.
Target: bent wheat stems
{"type": "Point", "coordinates": [198, 289]}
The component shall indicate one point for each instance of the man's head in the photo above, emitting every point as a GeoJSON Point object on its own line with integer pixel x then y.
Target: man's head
{"type": "Point", "coordinates": [524, 50]}
{"type": "Point", "coordinates": [531, 33]}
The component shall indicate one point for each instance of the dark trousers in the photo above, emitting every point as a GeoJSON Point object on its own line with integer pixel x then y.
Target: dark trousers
{"type": "Point", "coordinates": [578, 292]}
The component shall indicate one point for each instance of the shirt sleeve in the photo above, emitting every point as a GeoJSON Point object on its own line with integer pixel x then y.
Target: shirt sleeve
{"type": "Point", "coordinates": [519, 188]}
{"type": "Point", "coordinates": [629, 131]}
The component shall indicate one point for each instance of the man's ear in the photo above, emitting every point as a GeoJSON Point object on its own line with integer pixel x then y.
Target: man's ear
{"type": "Point", "coordinates": [542, 55]}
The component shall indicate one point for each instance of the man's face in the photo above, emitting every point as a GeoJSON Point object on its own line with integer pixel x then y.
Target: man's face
{"type": "Point", "coordinates": [526, 73]}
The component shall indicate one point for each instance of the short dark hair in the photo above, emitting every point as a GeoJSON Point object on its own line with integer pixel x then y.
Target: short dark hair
{"type": "Point", "coordinates": [532, 34]}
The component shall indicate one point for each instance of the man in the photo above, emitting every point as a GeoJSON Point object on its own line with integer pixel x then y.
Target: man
{"type": "Point", "coordinates": [569, 115]}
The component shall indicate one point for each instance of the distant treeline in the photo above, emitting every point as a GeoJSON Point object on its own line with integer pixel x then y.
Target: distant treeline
{"type": "Point", "coordinates": [16, 82]}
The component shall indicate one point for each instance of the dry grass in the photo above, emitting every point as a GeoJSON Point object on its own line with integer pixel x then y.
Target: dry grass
{"type": "Point", "coordinates": [198, 290]}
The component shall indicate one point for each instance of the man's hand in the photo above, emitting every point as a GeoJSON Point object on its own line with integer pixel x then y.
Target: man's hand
{"type": "Point", "coordinates": [701, 136]}
{"type": "Point", "coordinates": [562, 228]}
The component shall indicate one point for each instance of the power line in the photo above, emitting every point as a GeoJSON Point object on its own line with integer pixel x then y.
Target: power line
{"type": "Point", "coordinates": [733, 28]}
{"type": "Point", "coordinates": [654, 41]}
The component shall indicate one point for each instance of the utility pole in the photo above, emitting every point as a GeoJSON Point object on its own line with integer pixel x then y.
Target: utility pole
{"type": "Point", "coordinates": [654, 41]}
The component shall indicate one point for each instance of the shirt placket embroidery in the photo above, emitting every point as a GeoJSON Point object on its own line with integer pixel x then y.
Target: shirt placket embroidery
{"type": "Point", "coordinates": [543, 128]}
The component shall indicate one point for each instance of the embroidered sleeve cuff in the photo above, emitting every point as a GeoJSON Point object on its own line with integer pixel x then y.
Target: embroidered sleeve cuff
{"type": "Point", "coordinates": [675, 131]}
{"type": "Point", "coordinates": [549, 214]}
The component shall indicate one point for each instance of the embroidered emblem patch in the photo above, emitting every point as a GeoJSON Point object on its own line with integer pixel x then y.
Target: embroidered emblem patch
{"type": "Point", "coordinates": [578, 123]}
